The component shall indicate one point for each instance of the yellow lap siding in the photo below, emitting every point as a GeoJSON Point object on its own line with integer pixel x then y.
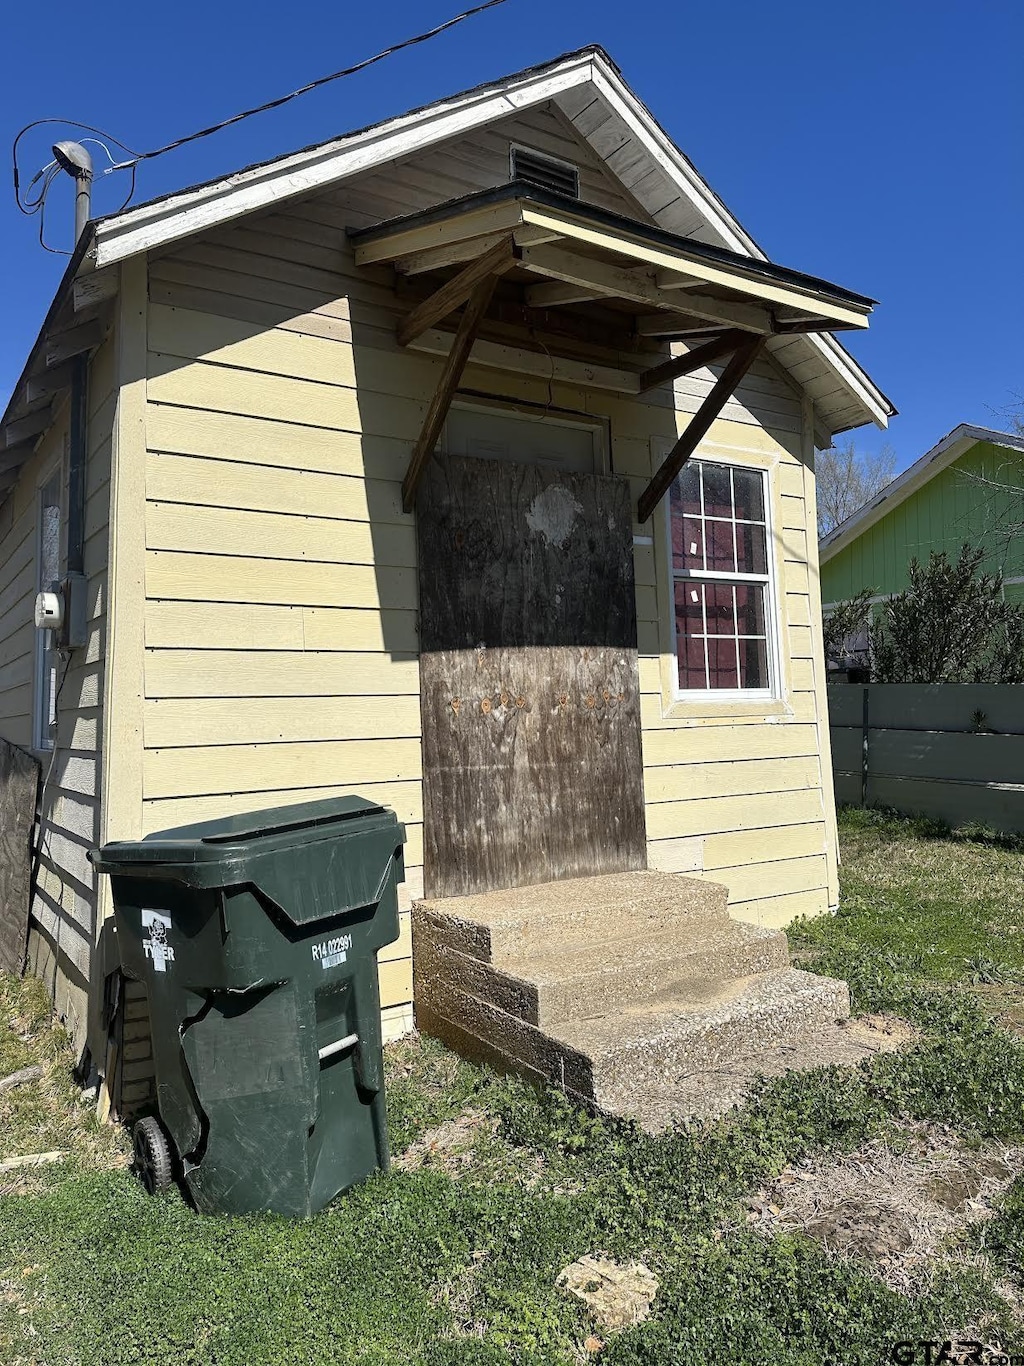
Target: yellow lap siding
{"type": "Point", "coordinates": [310, 493]}
{"type": "Point", "coordinates": [775, 912]}
{"type": "Point", "coordinates": [228, 531]}
{"type": "Point", "coordinates": [255, 674]}
{"type": "Point", "coordinates": [227, 578]}
{"type": "Point", "coordinates": [182, 722]}
{"type": "Point", "coordinates": [713, 815]}
{"type": "Point", "coordinates": [769, 845]}
{"type": "Point", "coordinates": [711, 744]}
{"type": "Point", "coordinates": [263, 767]}
{"type": "Point", "coordinates": [249, 626]}
{"type": "Point", "coordinates": [738, 777]}
{"type": "Point", "coordinates": [253, 440]}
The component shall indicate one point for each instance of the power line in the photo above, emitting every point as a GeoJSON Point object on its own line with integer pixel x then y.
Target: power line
{"type": "Point", "coordinates": [37, 204]}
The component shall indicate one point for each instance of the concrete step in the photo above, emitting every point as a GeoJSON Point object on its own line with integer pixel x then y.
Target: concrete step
{"type": "Point", "coordinates": [585, 979]}
{"type": "Point", "coordinates": [680, 1037]}
{"type": "Point", "coordinates": [616, 1061]}
{"type": "Point", "coordinates": [500, 927]}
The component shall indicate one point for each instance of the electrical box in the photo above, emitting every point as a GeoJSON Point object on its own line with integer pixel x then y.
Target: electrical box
{"type": "Point", "coordinates": [63, 610]}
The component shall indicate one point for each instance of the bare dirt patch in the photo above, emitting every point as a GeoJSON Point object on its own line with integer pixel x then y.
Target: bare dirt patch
{"type": "Point", "coordinates": [448, 1147]}
{"type": "Point", "coordinates": [898, 1202]}
{"type": "Point", "coordinates": [470, 1148]}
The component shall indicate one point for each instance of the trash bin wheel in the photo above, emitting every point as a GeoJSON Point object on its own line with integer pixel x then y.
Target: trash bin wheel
{"type": "Point", "coordinates": [152, 1155]}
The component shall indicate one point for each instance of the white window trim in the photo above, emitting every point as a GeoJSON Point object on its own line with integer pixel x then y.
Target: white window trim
{"type": "Point", "coordinates": [773, 623]}
{"type": "Point", "coordinates": [42, 741]}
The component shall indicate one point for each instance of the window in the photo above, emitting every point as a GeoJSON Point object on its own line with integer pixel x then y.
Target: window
{"type": "Point", "coordinates": [721, 580]}
{"type": "Point", "coordinates": [47, 570]}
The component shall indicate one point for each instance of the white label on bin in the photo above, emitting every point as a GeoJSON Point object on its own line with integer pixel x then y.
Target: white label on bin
{"type": "Point", "coordinates": [331, 952]}
{"type": "Point", "coordinates": [156, 946]}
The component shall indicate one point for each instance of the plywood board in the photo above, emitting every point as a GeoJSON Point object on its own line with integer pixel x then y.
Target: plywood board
{"type": "Point", "coordinates": [19, 781]}
{"type": "Point", "coordinates": [531, 713]}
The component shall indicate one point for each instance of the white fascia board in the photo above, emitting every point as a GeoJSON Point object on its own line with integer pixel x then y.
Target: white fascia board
{"type": "Point", "coordinates": [178, 216]}
{"type": "Point", "coordinates": [943, 454]}
{"type": "Point", "coordinates": [855, 379]}
{"type": "Point", "coordinates": [642, 124]}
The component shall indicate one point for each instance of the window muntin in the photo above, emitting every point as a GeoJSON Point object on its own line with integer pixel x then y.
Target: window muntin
{"type": "Point", "coordinates": [47, 572]}
{"type": "Point", "coordinates": [721, 580]}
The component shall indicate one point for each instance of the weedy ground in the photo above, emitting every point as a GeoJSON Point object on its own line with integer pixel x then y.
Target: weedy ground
{"type": "Point", "coordinates": [753, 1226]}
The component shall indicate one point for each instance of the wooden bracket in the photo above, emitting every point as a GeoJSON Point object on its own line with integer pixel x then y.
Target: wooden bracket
{"type": "Point", "coordinates": [725, 386]}
{"type": "Point", "coordinates": [15, 456]}
{"type": "Point", "coordinates": [86, 336]}
{"type": "Point", "coordinates": [26, 428]}
{"type": "Point", "coordinates": [451, 374]}
{"type": "Point", "coordinates": [693, 360]}
{"type": "Point", "coordinates": [453, 294]}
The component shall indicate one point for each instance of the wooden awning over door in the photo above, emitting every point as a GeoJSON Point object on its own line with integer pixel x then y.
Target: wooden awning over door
{"type": "Point", "coordinates": [564, 253]}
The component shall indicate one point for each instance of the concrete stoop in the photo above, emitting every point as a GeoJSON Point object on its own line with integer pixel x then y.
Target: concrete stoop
{"type": "Point", "coordinates": [636, 993]}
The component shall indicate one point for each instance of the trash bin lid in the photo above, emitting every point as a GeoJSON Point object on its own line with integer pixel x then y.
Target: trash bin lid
{"type": "Point", "coordinates": [225, 851]}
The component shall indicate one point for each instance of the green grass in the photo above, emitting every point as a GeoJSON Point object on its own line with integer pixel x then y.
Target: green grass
{"type": "Point", "coordinates": [435, 1266]}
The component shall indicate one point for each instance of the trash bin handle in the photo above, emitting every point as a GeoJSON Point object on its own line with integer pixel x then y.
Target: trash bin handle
{"type": "Point", "coordinates": [339, 1046]}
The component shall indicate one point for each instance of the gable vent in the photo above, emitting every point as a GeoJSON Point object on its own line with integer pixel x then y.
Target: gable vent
{"type": "Point", "coordinates": [548, 172]}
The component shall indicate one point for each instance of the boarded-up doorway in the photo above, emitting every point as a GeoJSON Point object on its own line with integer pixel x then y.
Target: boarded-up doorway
{"type": "Point", "coordinates": [532, 766]}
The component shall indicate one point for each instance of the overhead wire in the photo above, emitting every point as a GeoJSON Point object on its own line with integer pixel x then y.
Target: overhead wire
{"type": "Point", "coordinates": [35, 205]}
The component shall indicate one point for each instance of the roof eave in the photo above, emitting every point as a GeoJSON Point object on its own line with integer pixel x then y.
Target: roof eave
{"type": "Point", "coordinates": [943, 454]}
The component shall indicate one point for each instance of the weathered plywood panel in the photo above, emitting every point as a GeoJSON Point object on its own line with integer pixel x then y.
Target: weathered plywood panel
{"type": "Point", "coordinates": [19, 782]}
{"type": "Point", "coordinates": [530, 697]}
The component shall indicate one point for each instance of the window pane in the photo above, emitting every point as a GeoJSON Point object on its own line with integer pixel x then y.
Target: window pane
{"type": "Point", "coordinates": [721, 548]}
{"type": "Point", "coordinates": [750, 609]}
{"type": "Point", "coordinates": [749, 486]}
{"type": "Point", "coordinates": [717, 490]}
{"type": "Point", "coordinates": [690, 606]}
{"type": "Point", "coordinates": [721, 616]}
{"type": "Point", "coordinates": [754, 663]}
{"type": "Point", "coordinates": [687, 540]}
{"type": "Point", "coordinates": [722, 662]}
{"type": "Point", "coordinates": [689, 636]}
{"type": "Point", "coordinates": [687, 488]}
{"type": "Point", "coordinates": [751, 550]}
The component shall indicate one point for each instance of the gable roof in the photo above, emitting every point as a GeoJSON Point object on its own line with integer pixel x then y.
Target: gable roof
{"type": "Point", "coordinates": [589, 90]}
{"type": "Point", "coordinates": [943, 454]}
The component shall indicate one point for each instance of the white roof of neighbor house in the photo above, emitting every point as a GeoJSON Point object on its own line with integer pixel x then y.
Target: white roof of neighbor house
{"type": "Point", "coordinates": [943, 454]}
{"type": "Point", "coordinates": [589, 89]}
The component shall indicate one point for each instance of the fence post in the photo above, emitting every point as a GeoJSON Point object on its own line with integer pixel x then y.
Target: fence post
{"type": "Point", "coordinates": [864, 746]}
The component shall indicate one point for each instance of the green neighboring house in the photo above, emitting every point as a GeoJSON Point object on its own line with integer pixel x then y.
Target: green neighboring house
{"type": "Point", "coordinates": [969, 487]}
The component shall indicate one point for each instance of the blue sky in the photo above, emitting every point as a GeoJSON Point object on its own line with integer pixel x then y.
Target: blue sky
{"type": "Point", "coordinates": [880, 145]}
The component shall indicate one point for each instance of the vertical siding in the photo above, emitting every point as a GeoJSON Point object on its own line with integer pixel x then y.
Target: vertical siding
{"type": "Point", "coordinates": [949, 510]}
{"type": "Point", "coordinates": [63, 911]}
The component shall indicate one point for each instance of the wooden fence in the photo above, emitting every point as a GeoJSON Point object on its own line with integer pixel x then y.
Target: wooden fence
{"type": "Point", "coordinates": [950, 750]}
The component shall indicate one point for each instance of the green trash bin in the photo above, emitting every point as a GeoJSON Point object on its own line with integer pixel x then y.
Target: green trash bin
{"type": "Point", "coordinates": [256, 938]}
